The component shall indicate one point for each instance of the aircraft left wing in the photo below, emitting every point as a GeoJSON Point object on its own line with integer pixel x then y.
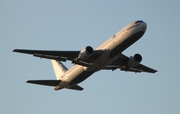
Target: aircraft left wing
{"type": "Point", "coordinates": [62, 55]}
{"type": "Point", "coordinates": [121, 63]}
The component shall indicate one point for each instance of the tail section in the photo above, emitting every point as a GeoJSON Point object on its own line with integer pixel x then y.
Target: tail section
{"type": "Point", "coordinates": [59, 69]}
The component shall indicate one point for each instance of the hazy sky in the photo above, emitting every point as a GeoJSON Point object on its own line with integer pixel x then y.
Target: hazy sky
{"type": "Point", "coordinates": [72, 25]}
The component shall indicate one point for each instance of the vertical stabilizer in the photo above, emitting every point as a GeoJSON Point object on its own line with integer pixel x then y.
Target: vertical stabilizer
{"type": "Point", "coordinates": [59, 69]}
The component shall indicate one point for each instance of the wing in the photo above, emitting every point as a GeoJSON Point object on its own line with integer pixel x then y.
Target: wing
{"type": "Point", "coordinates": [57, 55]}
{"type": "Point", "coordinates": [62, 55]}
{"type": "Point", "coordinates": [121, 63]}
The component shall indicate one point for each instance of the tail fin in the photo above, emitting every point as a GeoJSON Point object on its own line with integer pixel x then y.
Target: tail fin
{"type": "Point", "coordinates": [59, 69]}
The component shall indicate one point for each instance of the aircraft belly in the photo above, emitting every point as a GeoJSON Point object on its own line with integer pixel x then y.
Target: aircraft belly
{"type": "Point", "coordinates": [75, 75]}
{"type": "Point", "coordinates": [81, 77]}
{"type": "Point", "coordinates": [62, 85]}
{"type": "Point", "coordinates": [123, 44]}
{"type": "Point", "coordinates": [100, 62]}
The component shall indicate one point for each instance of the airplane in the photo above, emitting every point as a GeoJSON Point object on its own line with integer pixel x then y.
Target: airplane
{"type": "Point", "coordinates": [87, 61]}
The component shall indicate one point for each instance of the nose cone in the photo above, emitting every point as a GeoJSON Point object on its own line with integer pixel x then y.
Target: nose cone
{"type": "Point", "coordinates": [144, 26]}
{"type": "Point", "coordinates": [141, 24]}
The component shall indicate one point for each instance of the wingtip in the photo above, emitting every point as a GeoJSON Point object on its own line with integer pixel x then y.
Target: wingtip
{"type": "Point", "coordinates": [13, 50]}
{"type": "Point", "coordinates": [155, 71]}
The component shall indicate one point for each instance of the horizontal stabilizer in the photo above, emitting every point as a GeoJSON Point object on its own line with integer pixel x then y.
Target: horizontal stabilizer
{"type": "Point", "coordinates": [45, 82]}
{"type": "Point", "coordinates": [75, 87]}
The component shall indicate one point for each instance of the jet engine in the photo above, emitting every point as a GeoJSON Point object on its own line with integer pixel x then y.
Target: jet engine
{"type": "Point", "coordinates": [134, 60]}
{"type": "Point", "coordinates": [85, 53]}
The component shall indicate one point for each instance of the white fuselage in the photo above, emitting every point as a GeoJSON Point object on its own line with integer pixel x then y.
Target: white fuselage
{"type": "Point", "coordinates": [112, 47]}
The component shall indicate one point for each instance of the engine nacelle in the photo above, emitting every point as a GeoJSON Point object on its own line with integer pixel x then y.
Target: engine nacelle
{"type": "Point", "coordinates": [134, 60]}
{"type": "Point", "coordinates": [85, 53]}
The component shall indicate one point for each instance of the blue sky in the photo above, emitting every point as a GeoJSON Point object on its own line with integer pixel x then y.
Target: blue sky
{"type": "Point", "coordinates": [72, 25]}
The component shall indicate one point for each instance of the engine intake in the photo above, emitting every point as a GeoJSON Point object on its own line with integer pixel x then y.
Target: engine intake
{"type": "Point", "coordinates": [134, 60]}
{"type": "Point", "coordinates": [85, 53]}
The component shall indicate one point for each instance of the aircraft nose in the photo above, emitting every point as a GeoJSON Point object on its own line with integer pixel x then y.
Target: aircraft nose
{"type": "Point", "coordinates": [144, 26]}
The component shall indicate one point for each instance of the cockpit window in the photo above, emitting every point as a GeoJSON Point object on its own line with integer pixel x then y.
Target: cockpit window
{"type": "Point", "coordinates": [138, 21]}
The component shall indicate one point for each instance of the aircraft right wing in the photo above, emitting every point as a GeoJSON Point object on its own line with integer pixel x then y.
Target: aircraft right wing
{"type": "Point", "coordinates": [62, 55]}
{"type": "Point", "coordinates": [56, 55]}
